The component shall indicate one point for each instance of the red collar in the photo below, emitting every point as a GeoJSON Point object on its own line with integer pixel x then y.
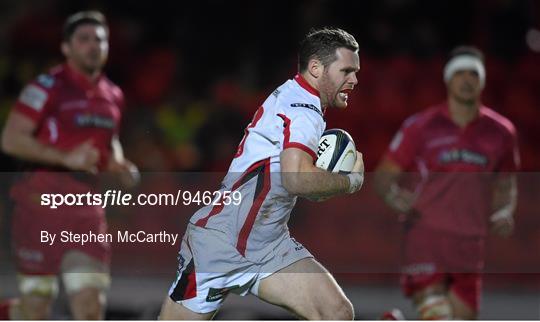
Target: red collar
{"type": "Point", "coordinates": [81, 79]}
{"type": "Point", "coordinates": [445, 111]}
{"type": "Point", "coordinates": [305, 85]}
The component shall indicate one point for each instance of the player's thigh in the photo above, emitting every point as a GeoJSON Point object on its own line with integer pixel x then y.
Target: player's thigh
{"type": "Point", "coordinates": [171, 310]}
{"type": "Point", "coordinates": [88, 304]}
{"type": "Point", "coordinates": [307, 289]}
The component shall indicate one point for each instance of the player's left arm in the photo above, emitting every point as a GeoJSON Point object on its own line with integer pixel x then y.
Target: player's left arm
{"type": "Point", "coordinates": [127, 171]}
{"type": "Point", "coordinates": [505, 189]}
{"type": "Point", "coordinates": [301, 177]}
{"type": "Point", "coordinates": [301, 133]}
{"type": "Point", "coordinates": [504, 205]}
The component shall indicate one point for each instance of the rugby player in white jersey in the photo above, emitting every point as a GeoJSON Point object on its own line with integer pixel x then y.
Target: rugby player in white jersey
{"type": "Point", "coordinates": [247, 248]}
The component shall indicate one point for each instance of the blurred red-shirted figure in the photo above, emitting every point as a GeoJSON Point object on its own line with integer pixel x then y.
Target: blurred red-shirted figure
{"type": "Point", "coordinates": [465, 155]}
{"type": "Point", "coordinates": [64, 126]}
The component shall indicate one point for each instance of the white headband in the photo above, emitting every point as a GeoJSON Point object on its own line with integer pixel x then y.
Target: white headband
{"type": "Point", "coordinates": [465, 62]}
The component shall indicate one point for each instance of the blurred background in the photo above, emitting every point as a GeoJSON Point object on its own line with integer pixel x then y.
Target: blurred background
{"type": "Point", "coordinates": [194, 73]}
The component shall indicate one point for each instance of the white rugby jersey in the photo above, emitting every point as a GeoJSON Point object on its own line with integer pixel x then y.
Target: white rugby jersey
{"type": "Point", "coordinates": [290, 117]}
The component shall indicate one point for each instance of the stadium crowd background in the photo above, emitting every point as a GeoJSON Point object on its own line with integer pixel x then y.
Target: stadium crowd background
{"type": "Point", "coordinates": [194, 72]}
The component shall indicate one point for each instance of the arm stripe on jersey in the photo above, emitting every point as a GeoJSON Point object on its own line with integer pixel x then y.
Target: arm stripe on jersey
{"type": "Point", "coordinates": [258, 115]}
{"type": "Point", "coordinates": [261, 191]}
{"type": "Point", "coordinates": [250, 173]}
{"type": "Point", "coordinates": [287, 136]}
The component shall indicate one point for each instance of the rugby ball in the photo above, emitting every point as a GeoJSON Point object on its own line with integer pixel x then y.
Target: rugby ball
{"type": "Point", "coordinates": [336, 151]}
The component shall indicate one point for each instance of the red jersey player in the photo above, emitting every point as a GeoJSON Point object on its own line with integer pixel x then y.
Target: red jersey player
{"type": "Point", "coordinates": [67, 119]}
{"type": "Point", "coordinates": [465, 154]}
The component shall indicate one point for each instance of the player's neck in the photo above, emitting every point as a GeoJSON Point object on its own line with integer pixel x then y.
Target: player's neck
{"type": "Point", "coordinates": [462, 113]}
{"type": "Point", "coordinates": [91, 76]}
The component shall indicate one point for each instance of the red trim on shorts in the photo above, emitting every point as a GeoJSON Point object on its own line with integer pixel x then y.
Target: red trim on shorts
{"type": "Point", "coordinates": [305, 85]}
{"type": "Point", "coordinates": [191, 288]}
{"type": "Point", "coordinates": [219, 207]}
{"type": "Point", "coordinates": [287, 136]}
{"type": "Point", "coordinates": [255, 207]}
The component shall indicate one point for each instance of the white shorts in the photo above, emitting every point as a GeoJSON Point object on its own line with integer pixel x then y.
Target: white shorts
{"type": "Point", "coordinates": [210, 268]}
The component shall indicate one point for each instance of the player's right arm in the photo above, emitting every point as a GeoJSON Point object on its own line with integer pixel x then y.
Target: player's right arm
{"type": "Point", "coordinates": [400, 156]}
{"type": "Point", "coordinates": [18, 135]}
{"type": "Point", "coordinates": [302, 129]}
{"type": "Point", "coordinates": [301, 177]}
{"type": "Point", "coordinates": [18, 141]}
{"type": "Point", "coordinates": [387, 175]}
{"type": "Point", "coordinates": [505, 189]}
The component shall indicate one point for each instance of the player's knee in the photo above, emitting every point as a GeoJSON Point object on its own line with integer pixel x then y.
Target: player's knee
{"type": "Point", "coordinates": [338, 309]}
{"type": "Point", "coordinates": [74, 282]}
{"type": "Point", "coordinates": [88, 304]}
{"type": "Point", "coordinates": [35, 307]}
{"type": "Point", "coordinates": [345, 311]}
{"type": "Point", "coordinates": [87, 293]}
{"type": "Point", "coordinates": [435, 307]}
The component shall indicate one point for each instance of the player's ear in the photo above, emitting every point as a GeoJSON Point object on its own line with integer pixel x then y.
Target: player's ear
{"type": "Point", "coordinates": [64, 47]}
{"type": "Point", "coordinates": [315, 68]}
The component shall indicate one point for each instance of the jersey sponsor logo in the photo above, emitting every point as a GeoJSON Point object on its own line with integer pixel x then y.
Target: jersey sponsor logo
{"type": "Point", "coordinates": [308, 106]}
{"type": "Point", "coordinates": [90, 120]}
{"type": "Point", "coordinates": [420, 268]}
{"type": "Point", "coordinates": [34, 97]}
{"type": "Point", "coordinates": [298, 246]}
{"type": "Point", "coordinates": [45, 80]}
{"type": "Point", "coordinates": [216, 294]}
{"type": "Point", "coordinates": [463, 156]}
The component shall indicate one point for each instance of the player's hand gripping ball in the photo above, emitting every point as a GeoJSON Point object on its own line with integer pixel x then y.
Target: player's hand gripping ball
{"type": "Point", "coordinates": [336, 152]}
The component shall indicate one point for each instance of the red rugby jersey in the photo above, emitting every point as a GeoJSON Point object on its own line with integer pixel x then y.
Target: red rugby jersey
{"type": "Point", "coordinates": [69, 109]}
{"type": "Point", "coordinates": [457, 166]}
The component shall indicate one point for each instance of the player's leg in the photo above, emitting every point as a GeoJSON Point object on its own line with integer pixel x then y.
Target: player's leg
{"type": "Point", "coordinates": [37, 295]}
{"type": "Point", "coordinates": [37, 263]}
{"type": "Point", "coordinates": [308, 290]}
{"type": "Point", "coordinates": [464, 295]}
{"type": "Point", "coordinates": [86, 280]}
{"type": "Point", "coordinates": [433, 303]}
{"type": "Point", "coordinates": [462, 310]}
{"type": "Point", "coordinates": [187, 296]}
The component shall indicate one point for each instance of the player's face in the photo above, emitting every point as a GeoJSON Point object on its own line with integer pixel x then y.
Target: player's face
{"type": "Point", "coordinates": [339, 78]}
{"type": "Point", "coordinates": [465, 86]}
{"type": "Point", "coordinates": [88, 47]}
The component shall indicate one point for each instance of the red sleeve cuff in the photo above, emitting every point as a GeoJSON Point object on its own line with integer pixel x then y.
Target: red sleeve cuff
{"type": "Point", "coordinates": [27, 111]}
{"type": "Point", "coordinates": [301, 147]}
